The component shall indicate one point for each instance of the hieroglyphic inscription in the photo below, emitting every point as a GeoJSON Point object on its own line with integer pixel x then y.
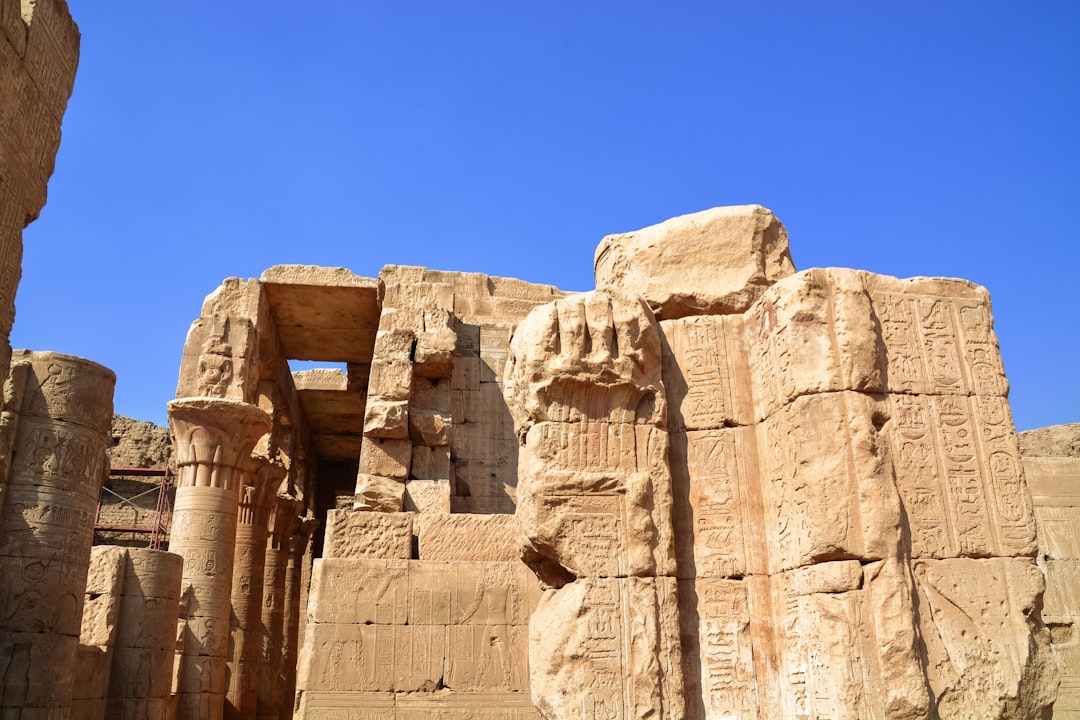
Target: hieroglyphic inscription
{"type": "Point", "coordinates": [727, 667]}
{"type": "Point", "coordinates": [1011, 505]}
{"type": "Point", "coordinates": [717, 501]}
{"type": "Point", "coordinates": [896, 318]}
{"type": "Point", "coordinates": [606, 685]}
{"type": "Point", "coordinates": [958, 471]}
{"type": "Point", "coordinates": [51, 453]}
{"type": "Point", "coordinates": [597, 525]}
{"type": "Point", "coordinates": [707, 352]}
{"type": "Point", "coordinates": [915, 463]}
{"type": "Point", "coordinates": [589, 446]}
{"type": "Point", "coordinates": [980, 349]}
{"type": "Point", "coordinates": [939, 345]}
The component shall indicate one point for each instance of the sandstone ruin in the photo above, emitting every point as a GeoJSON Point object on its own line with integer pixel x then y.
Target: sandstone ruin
{"type": "Point", "coordinates": [713, 487]}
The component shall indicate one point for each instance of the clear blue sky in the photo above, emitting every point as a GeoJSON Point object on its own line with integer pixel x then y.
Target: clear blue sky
{"type": "Point", "coordinates": [207, 140]}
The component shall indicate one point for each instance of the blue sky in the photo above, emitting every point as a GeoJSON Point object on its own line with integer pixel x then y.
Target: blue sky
{"type": "Point", "coordinates": [213, 140]}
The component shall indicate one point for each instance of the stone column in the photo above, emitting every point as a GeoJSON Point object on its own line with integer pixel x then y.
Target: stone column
{"type": "Point", "coordinates": [213, 440]}
{"type": "Point", "coordinates": [247, 588]}
{"type": "Point", "coordinates": [294, 574]}
{"type": "Point", "coordinates": [140, 682]}
{"type": "Point", "coordinates": [281, 519]}
{"type": "Point", "coordinates": [57, 410]}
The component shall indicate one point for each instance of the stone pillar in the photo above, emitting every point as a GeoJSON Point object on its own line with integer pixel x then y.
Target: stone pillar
{"type": "Point", "coordinates": [101, 613]}
{"type": "Point", "coordinates": [294, 574]}
{"type": "Point", "coordinates": [57, 410]}
{"type": "Point", "coordinates": [140, 681]}
{"type": "Point", "coordinates": [247, 588]}
{"type": "Point", "coordinates": [213, 440]}
{"type": "Point", "coordinates": [281, 519]}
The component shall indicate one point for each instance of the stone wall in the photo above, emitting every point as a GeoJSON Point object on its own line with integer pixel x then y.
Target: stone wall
{"type": "Point", "coordinates": [1052, 466]}
{"type": "Point", "coordinates": [39, 52]}
{"type": "Point", "coordinates": [132, 500]}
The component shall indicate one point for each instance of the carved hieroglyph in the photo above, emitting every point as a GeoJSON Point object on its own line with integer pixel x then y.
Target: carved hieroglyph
{"type": "Point", "coordinates": [391, 636]}
{"type": "Point", "coordinates": [853, 536]}
{"type": "Point", "coordinates": [55, 422]}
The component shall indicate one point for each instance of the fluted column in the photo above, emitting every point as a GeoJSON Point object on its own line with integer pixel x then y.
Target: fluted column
{"type": "Point", "coordinates": [247, 590]}
{"type": "Point", "coordinates": [294, 572]}
{"type": "Point", "coordinates": [214, 439]}
{"type": "Point", "coordinates": [281, 518]}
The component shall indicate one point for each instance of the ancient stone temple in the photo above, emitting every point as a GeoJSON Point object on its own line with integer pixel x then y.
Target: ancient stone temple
{"type": "Point", "coordinates": [713, 487]}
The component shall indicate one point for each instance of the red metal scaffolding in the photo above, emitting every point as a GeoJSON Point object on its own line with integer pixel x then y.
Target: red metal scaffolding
{"type": "Point", "coordinates": [158, 526]}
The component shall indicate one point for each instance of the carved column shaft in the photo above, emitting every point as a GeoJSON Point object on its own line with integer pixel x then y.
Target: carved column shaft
{"type": "Point", "coordinates": [214, 439]}
{"type": "Point", "coordinates": [294, 573]}
{"type": "Point", "coordinates": [281, 519]}
{"type": "Point", "coordinates": [58, 410]}
{"type": "Point", "coordinates": [247, 589]}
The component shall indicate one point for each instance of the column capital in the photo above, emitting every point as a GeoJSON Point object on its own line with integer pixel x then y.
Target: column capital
{"type": "Point", "coordinates": [213, 440]}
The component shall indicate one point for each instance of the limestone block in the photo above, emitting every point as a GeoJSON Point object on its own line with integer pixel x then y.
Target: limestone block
{"type": "Point", "coordinates": [386, 457]}
{"type": "Point", "coordinates": [429, 427]}
{"type": "Point", "coordinates": [359, 591]}
{"type": "Point", "coordinates": [138, 708]}
{"type": "Point", "coordinates": [470, 593]}
{"type": "Point", "coordinates": [386, 419]}
{"type": "Point", "coordinates": [361, 534]}
{"type": "Point", "coordinates": [427, 496]}
{"type": "Point", "coordinates": [960, 476]}
{"type": "Point", "coordinates": [986, 647]}
{"type": "Point", "coordinates": [461, 536]}
{"type": "Point", "coordinates": [435, 345]}
{"type": "Point", "coordinates": [103, 584]}
{"type": "Point", "coordinates": [828, 490]}
{"type": "Point", "coordinates": [719, 650]}
{"type": "Point", "coordinates": [813, 332]}
{"type": "Point", "coordinates": [706, 372]}
{"type": "Point", "coordinates": [718, 510]}
{"type": "Point", "coordinates": [390, 379]}
{"type": "Point", "coordinates": [394, 345]}
{"type": "Point", "coordinates": [36, 667]}
{"type": "Point", "coordinates": [938, 335]}
{"type": "Point", "coordinates": [591, 356]}
{"type": "Point", "coordinates": [430, 463]}
{"type": "Point", "coordinates": [709, 263]}
{"type": "Point", "coordinates": [379, 494]}
{"type": "Point", "coordinates": [444, 704]}
{"type": "Point", "coordinates": [622, 634]}
{"type": "Point", "coordinates": [137, 673]}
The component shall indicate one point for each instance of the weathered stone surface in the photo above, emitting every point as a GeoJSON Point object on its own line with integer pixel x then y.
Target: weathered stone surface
{"type": "Point", "coordinates": [1053, 441]}
{"type": "Point", "coordinates": [463, 536]}
{"type": "Point", "coordinates": [381, 494]}
{"type": "Point", "coordinates": [358, 534]}
{"type": "Point", "coordinates": [713, 262]}
{"type": "Point", "coordinates": [1052, 468]}
{"type": "Point", "coordinates": [417, 634]}
{"type": "Point", "coordinates": [842, 462]}
{"type": "Point", "coordinates": [56, 415]}
{"type": "Point", "coordinates": [39, 52]}
{"type": "Point", "coordinates": [747, 492]}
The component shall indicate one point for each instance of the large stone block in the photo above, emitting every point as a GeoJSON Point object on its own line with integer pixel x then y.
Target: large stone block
{"type": "Point", "coordinates": [713, 262]}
